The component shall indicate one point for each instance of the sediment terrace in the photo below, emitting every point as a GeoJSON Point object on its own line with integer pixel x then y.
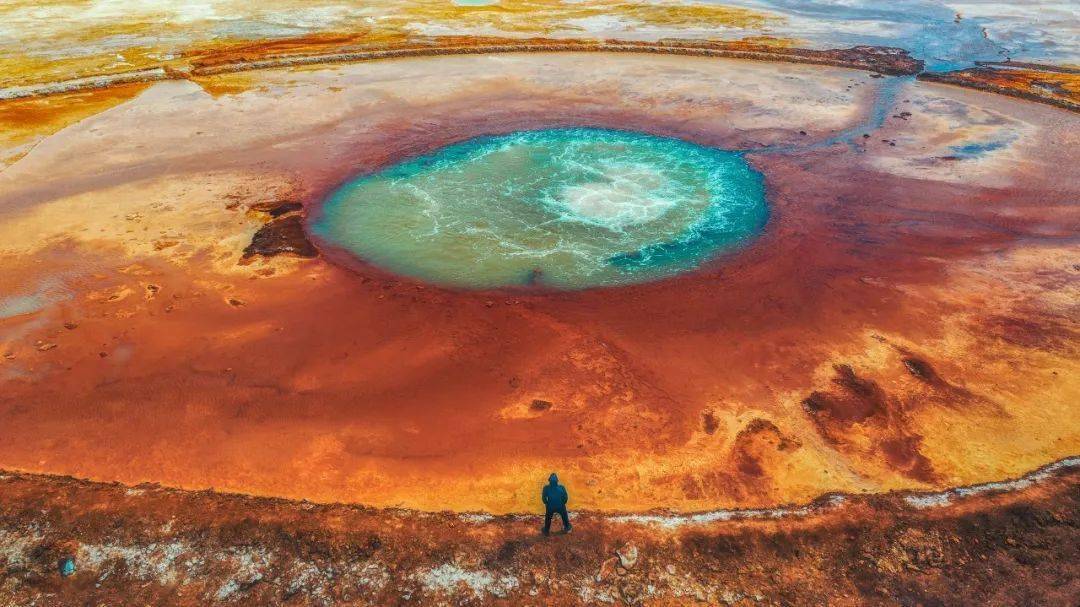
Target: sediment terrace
{"type": "Point", "coordinates": [1049, 84]}
{"type": "Point", "coordinates": [1040, 83]}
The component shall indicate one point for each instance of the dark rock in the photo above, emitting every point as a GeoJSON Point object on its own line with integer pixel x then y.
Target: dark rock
{"type": "Point", "coordinates": [921, 369]}
{"type": "Point", "coordinates": [881, 59]}
{"type": "Point", "coordinates": [277, 208]}
{"type": "Point", "coordinates": [284, 235]}
{"type": "Point", "coordinates": [815, 403]}
{"type": "Point", "coordinates": [709, 422]}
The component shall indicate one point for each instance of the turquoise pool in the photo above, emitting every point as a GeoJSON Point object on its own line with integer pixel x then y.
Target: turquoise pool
{"type": "Point", "coordinates": [562, 208]}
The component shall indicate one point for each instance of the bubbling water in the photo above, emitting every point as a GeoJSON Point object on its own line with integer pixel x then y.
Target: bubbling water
{"type": "Point", "coordinates": [563, 208]}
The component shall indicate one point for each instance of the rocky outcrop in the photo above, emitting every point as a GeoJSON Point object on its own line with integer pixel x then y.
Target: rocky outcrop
{"type": "Point", "coordinates": [282, 235]}
{"type": "Point", "coordinates": [277, 208]}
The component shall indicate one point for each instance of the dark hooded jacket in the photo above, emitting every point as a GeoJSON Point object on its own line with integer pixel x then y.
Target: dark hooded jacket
{"type": "Point", "coordinates": [554, 494]}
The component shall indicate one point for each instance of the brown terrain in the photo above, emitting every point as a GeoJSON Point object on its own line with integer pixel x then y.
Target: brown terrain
{"type": "Point", "coordinates": [148, 545]}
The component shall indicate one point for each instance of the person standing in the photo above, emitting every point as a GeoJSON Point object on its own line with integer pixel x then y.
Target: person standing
{"type": "Point", "coordinates": [555, 497]}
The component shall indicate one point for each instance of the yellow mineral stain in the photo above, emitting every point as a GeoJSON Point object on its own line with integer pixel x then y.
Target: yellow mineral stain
{"type": "Point", "coordinates": [227, 83]}
{"type": "Point", "coordinates": [24, 122]}
{"type": "Point", "coordinates": [84, 37]}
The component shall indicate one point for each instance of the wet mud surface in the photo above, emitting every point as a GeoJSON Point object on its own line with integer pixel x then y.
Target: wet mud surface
{"type": "Point", "coordinates": [907, 319]}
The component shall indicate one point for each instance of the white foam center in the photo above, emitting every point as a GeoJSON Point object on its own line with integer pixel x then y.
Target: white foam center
{"type": "Point", "coordinates": [626, 195]}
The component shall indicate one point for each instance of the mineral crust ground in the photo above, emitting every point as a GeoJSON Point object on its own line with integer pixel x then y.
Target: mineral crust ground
{"type": "Point", "coordinates": [317, 430]}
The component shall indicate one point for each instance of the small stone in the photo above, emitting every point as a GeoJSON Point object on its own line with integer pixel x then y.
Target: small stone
{"type": "Point", "coordinates": [234, 302]}
{"type": "Point", "coordinates": [670, 569]}
{"type": "Point", "coordinates": [628, 555]}
{"type": "Point", "coordinates": [45, 346]}
{"type": "Point", "coordinates": [71, 325]}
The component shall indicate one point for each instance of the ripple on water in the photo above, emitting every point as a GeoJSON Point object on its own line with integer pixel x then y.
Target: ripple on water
{"type": "Point", "coordinates": [566, 208]}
